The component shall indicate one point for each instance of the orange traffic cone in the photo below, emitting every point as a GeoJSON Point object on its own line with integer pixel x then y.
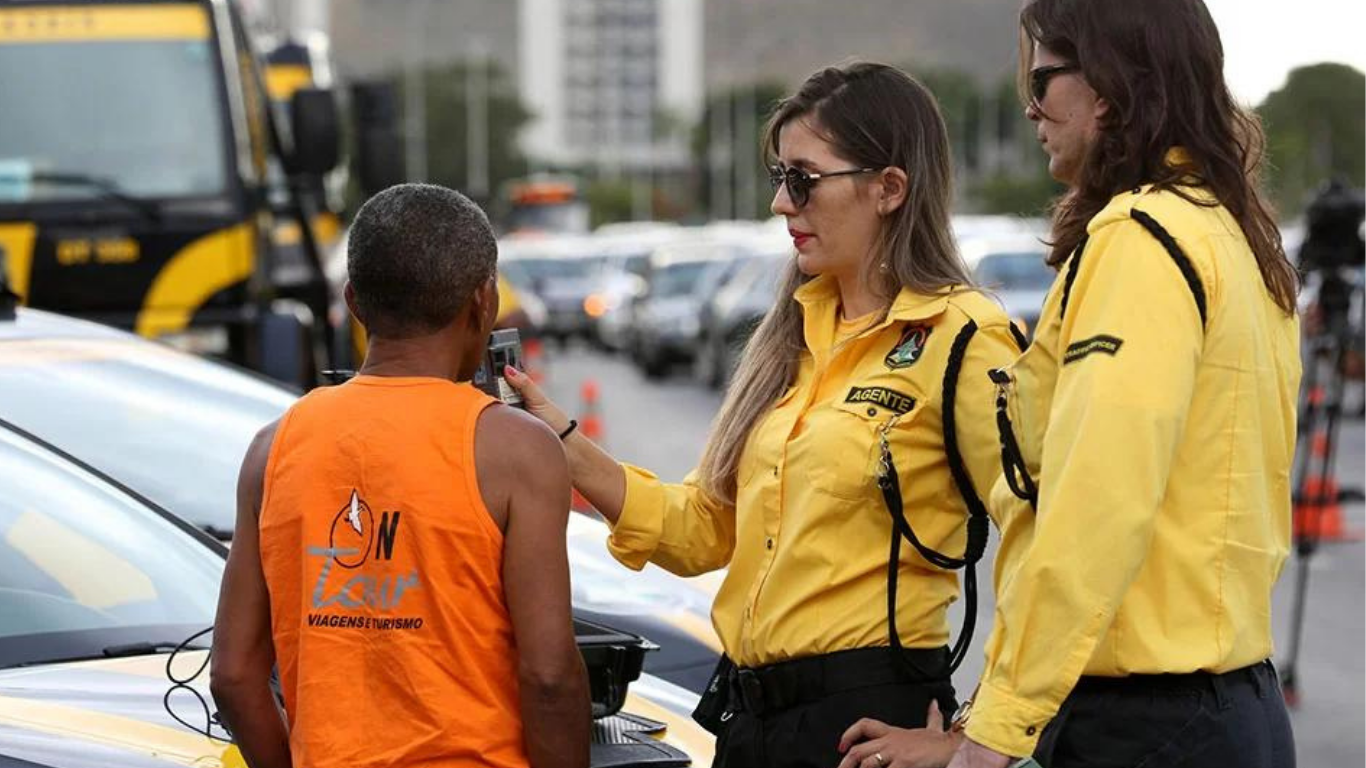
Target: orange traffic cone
{"type": "Point", "coordinates": [1318, 513]}
{"type": "Point", "coordinates": [590, 420]}
{"type": "Point", "coordinates": [533, 354]}
{"type": "Point", "coordinates": [590, 424]}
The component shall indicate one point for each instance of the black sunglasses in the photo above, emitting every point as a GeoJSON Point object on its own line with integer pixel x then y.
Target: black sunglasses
{"type": "Point", "coordinates": [799, 182]}
{"type": "Point", "coordinates": [1039, 77]}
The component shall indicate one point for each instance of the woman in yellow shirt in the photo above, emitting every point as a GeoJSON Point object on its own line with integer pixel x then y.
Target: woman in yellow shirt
{"type": "Point", "coordinates": [878, 333]}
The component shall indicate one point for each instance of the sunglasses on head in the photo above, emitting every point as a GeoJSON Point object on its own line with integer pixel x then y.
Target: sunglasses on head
{"type": "Point", "coordinates": [799, 182]}
{"type": "Point", "coordinates": [1039, 77]}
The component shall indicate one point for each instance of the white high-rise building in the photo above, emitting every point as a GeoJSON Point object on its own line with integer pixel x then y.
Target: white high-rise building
{"type": "Point", "coordinates": [612, 83]}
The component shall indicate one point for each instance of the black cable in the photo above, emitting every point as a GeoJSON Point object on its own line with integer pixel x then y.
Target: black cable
{"type": "Point", "coordinates": [177, 684]}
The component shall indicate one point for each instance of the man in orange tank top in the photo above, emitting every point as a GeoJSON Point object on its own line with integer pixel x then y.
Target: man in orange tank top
{"type": "Point", "coordinates": [399, 553]}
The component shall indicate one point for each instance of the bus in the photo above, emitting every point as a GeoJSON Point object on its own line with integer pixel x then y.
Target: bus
{"type": "Point", "coordinates": [135, 144]}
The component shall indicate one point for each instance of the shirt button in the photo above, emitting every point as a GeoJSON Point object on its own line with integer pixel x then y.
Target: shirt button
{"type": "Point", "coordinates": [1031, 730]}
{"type": "Point", "coordinates": [872, 411]}
{"type": "Point", "coordinates": [775, 470]}
{"type": "Point", "coordinates": [769, 543]}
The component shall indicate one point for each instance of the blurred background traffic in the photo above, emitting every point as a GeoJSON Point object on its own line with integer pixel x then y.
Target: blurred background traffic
{"type": "Point", "coordinates": [184, 171]}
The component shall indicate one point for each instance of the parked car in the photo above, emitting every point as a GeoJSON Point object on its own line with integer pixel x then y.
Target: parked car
{"type": "Point", "coordinates": [622, 278]}
{"type": "Point", "coordinates": [1014, 270]}
{"type": "Point", "coordinates": [668, 319]}
{"type": "Point", "coordinates": [174, 427]}
{"type": "Point", "coordinates": [98, 586]}
{"type": "Point", "coordinates": [736, 310]}
{"type": "Point", "coordinates": [559, 272]}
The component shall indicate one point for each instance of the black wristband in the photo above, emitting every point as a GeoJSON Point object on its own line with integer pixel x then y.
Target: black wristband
{"type": "Point", "coordinates": [573, 425]}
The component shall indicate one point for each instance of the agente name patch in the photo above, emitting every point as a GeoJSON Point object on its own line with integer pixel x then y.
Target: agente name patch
{"type": "Point", "coordinates": [890, 399]}
{"type": "Point", "coordinates": [1108, 344]}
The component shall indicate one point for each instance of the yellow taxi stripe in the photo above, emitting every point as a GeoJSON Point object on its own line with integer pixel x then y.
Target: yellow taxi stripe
{"type": "Point", "coordinates": [282, 80]}
{"type": "Point", "coordinates": [695, 626]}
{"type": "Point", "coordinates": [179, 746]}
{"type": "Point", "coordinates": [82, 23]}
{"type": "Point", "coordinates": [201, 269]}
{"type": "Point", "coordinates": [186, 663]}
{"type": "Point", "coordinates": [326, 228]}
{"type": "Point", "coordinates": [682, 732]}
{"type": "Point", "coordinates": [17, 242]}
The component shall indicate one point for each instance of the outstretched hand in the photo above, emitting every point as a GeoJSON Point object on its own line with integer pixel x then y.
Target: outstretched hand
{"type": "Point", "coordinates": [874, 744]}
{"type": "Point", "coordinates": [537, 404]}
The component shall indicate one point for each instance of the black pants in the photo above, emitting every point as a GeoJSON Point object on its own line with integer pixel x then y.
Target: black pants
{"type": "Point", "coordinates": [807, 734]}
{"type": "Point", "coordinates": [1234, 720]}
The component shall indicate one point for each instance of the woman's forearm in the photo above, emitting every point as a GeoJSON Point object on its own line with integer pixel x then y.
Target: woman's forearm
{"type": "Point", "coordinates": [596, 475]}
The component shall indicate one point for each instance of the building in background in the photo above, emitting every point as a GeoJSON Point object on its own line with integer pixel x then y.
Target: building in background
{"type": "Point", "coordinates": [785, 40]}
{"type": "Point", "coordinates": [615, 84]}
{"type": "Point", "coordinates": [667, 96]}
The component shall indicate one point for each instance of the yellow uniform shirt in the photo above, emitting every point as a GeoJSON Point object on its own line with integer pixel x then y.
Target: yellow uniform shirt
{"type": "Point", "coordinates": [807, 541]}
{"type": "Point", "coordinates": [1162, 448]}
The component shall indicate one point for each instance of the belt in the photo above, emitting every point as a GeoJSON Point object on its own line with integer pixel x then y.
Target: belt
{"type": "Point", "coordinates": [1261, 675]}
{"type": "Point", "coordinates": [775, 687]}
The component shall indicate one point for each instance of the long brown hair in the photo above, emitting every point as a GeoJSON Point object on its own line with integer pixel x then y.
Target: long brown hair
{"type": "Point", "coordinates": [874, 116]}
{"type": "Point", "coordinates": [1159, 64]}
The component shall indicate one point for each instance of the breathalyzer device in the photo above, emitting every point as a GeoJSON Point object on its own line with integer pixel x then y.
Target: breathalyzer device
{"type": "Point", "coordinates": [505, 348]}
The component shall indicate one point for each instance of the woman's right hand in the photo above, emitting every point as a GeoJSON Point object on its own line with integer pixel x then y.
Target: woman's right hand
{"type": "Point", "coordinates": [537, 404]}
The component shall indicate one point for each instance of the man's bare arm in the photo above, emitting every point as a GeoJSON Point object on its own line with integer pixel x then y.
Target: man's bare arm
{"type": "Point", "coordinates": [243, 651]}
{"type": "Point", "coordinates": [522, 464]}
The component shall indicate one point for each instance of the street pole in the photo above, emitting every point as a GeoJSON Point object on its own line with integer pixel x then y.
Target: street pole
{"type": "Point", "coordinates": [477, 121]}
{"type": "Point", "coordinates": [415, 92]}
{"type": "Point", "coordinates": [722, 162]}
{"type": "Point", "coordinates": [748, 151]}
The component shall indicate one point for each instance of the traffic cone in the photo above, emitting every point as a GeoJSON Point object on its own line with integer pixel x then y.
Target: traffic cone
{"type": "Point", "coordinates": [1318, 513]}
{"type": "Point", "coordinates": [590, 420]}
{"type": "Point", "coordinates": [533, 356]}
{"type": "Point", "coordinates": [590, 424]}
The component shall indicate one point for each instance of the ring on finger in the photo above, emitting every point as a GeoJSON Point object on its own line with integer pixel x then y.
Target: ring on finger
{"type": "Point", "coordinates": [878, 757]}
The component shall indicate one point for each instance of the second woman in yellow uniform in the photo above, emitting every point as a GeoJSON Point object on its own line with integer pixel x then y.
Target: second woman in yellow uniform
{"type": "Point", "coordinates": [878, 339]}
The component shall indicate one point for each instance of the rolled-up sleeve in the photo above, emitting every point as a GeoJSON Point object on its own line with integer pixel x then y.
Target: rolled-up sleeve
{"type": "Point", "coordinates": [677, 526]}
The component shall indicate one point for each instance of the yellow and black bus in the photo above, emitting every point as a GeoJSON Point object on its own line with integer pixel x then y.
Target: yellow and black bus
{"type": "Point", "coordinates": [135, 139]}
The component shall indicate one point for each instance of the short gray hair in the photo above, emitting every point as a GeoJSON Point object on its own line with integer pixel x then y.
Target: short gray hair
{"type": "Point", "coordinates": [416, 254]}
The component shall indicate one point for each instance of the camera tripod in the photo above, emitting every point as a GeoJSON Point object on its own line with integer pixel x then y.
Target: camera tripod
{"type": "Point", "coordinates": [1319, 414]}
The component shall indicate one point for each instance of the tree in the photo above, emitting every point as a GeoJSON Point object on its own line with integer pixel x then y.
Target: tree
{"type": "Point", "coordinates": [447, 124]}
{"type": "Point", "coordinates": [720, 163]}
{"type": "Point", "coordinates": [1314, 128]}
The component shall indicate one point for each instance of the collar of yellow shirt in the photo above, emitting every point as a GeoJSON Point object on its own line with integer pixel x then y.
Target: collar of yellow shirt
{"type": "Point", "coordinates": [820, 298]}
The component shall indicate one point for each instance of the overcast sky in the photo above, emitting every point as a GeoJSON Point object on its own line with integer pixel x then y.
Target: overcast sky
{"type": "Point", "coordinates": [1264, 40]}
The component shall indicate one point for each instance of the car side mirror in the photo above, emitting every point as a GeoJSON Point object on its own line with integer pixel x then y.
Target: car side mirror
{"type": "Point", "coordinates": [316, 131]}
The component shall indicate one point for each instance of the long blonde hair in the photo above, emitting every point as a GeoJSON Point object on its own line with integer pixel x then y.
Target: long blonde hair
{"type": "Point", "coordinates": [874, 116]}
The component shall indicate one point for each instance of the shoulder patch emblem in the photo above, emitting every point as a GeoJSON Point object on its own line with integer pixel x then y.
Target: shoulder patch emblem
{"type": "Point", "coordinates": [1077, 350]}
{"type": "Point", "coordinates": [909, 347]}
{"type": "Point", "coordinates": [894, 401]}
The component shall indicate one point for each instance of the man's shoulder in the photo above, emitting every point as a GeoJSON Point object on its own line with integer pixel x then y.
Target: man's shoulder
{"type": "Point", "coordinates": [1184, 212]}
{"type": "Point", "coordinates": [515, 433]}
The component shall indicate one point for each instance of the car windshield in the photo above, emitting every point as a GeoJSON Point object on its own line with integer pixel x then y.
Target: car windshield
{"type": "Point", "coordinates": [84, 566]}
{"type": "Point", "coordinates": [137, 112]}
{"type": "Point", "coordinates": [1024, 271]}
{"type": "Point", "coordinates": [678, 279]}
{"type": "Point", "coordinates": [171, 426]}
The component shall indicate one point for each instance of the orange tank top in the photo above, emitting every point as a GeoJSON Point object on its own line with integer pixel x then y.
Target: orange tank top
{"type": "Point", "coordinates": [384, 569]}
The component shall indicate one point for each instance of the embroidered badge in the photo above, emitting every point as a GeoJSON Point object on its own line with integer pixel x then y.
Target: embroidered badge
{"type": "Point", "coordinates": [1108, 344]}
{"type": "Point", "coordinates": [908, 347]}
{"type": "Point", "coordinates": [892, 400]}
